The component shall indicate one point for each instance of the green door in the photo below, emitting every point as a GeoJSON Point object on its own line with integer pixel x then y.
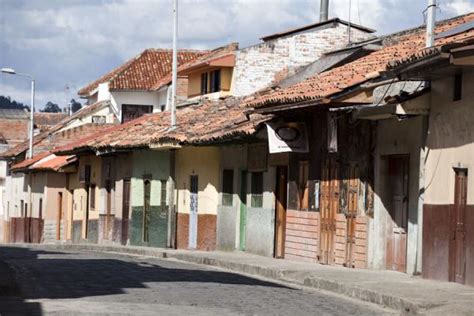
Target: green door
{"type": "Point", "coordinates": [243, 208]}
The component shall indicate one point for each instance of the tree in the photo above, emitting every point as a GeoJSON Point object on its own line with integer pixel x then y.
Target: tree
{"type": "Point", "coordinates": [51, 107]}
{"type": "Point", "coordinates": [8, 103]}
{"type": "Point", "coordinates": [75, 106]}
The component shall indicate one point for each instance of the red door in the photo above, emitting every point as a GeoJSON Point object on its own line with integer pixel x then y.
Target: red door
{"type": "Point", "coordinates": [397, 194]}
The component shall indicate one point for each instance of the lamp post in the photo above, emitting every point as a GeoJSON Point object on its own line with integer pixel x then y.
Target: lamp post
{"type": "Point", "coordinates": [10, 71]}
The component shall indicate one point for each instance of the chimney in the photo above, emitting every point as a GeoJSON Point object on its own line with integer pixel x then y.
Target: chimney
{"type": "Point", "coordinates": [324, 11]}
{"type": "Point", "coordinates": [430, 22]}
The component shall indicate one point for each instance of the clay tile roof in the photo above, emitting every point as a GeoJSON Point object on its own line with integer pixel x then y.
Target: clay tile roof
{"type": "Point", "coordinates": [141, 72]}
{"type": "Point", "coordinates": [43, 138]}
{"type": "Point", "coordinates": [337, 80]}
{"type": "Point", "coordinates": [28, 162]}
{"type": "Point", "coordinates": [53, 163]}
{"type": "Point", "coordinates": [14, 131]}
{"type": "Point", "coordinates": [205, 59]}
{"type": "Point", "coordinates": [48, 119]}
{"type": "Point", "coordinates": [209, 122]}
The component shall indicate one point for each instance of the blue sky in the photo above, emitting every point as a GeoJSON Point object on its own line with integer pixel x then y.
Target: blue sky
{"type": "Point", "coordinates": [65, 44]}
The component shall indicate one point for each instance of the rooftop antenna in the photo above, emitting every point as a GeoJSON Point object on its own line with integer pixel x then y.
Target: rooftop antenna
{"type": "Point", "coordinates": [430, 22]}
{"type": "Point", "coordinates": [175, 64]}
{"type": "Point", "coordinates": [324, 11]}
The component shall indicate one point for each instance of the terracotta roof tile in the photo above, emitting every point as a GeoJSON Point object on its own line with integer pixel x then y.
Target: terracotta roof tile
{"type": "Point", "coordinates": [211, 121]}
{"type": "Point", "coordinates": [341, 78]}
{"type": "Point", "coordinates": [143, 71]}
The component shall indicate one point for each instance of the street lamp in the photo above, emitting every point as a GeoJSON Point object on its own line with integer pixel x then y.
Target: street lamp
{"type": "Point", "coordinates": [11, 71]}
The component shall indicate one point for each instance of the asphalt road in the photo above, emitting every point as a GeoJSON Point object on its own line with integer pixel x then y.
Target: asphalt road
{"type": "Point", "coordinates": [74, 283]}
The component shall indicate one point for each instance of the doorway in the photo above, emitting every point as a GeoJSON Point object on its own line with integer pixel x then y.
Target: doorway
{"type": "Point", "coordinates": [329, 206]}
{"type": "Point", "coordinates": [59, 216]}
{"type": "Point", "coordinates": [458, 252]}
{"type": "Point", "coordinates": [125, 210]}
{"type": "Point", "coordinates": [280, 209]}
{"type": "Point", "coordinates": [397, 206]}
{"type": "Point", "coordinates": [193, 212]}
{"type": "Point", "coordinates": [243, 208]}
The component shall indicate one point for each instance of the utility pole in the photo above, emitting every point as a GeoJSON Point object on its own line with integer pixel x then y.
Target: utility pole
{"type": "Point", "coordinates": [174, 78]}
{"type": "Point", "coordinates": [430, 22]}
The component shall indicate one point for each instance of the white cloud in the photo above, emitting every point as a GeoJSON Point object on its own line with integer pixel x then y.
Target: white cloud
{"type": "Point", "coordinates": [73, 42]}
{"type": "Point", "coordinates": [457, 7]}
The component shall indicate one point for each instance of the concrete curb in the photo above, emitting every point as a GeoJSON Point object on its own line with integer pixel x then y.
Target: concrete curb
{"type": "Point", "coordinates": [400, 304]}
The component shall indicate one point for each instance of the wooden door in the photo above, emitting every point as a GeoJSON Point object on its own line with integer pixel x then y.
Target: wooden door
{"type": "Point", "coordinates": [125, 210]}
{"type": "Point", "coordinates": [243, 209]}
{"type": "Point", "coordinates": [351, 215]}
{"type": "Point", "coordinates": [193, 212]}
{"type": "Point", "coordinates": [329, 203]}
{"type": "Point", "coordinates": [59, 216]}
{"type": "Point", "coordinates": [397, 194]}
{"type": "Point", "coordinates": [280, 209]}
{"type": "Point", "coordinates": [458, 255]}
{"type": "Point", "coordinates": [108, 209]}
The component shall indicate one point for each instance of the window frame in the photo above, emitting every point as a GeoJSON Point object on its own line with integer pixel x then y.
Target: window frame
{"type": "Point", "coordinates": [227, 187]}
{"type": "Point", "coordinates": [256, 189]}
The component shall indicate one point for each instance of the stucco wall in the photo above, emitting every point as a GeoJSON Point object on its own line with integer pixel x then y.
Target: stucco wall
{"type": "Point", "coordinates": [155, 98]}
{"type": "Point", "coordinates": [450, 141]}
{"type": "Point", "coordinates": [154, 166]}
{"type": "Point", "coordinates": [105, 111]}
{"type": "Point", "coordinates": [393, 138]}
{"type": "Point", "coordinates": [228, 217]}
{"type": "Point", "coordinates": [204, 162]}
{"type": "Point", "coordinates": [258, 66]}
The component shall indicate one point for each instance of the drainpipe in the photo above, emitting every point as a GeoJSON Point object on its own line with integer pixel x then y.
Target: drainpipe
{"type": "Point", "coordinates": [430, 22]}
{"type": "Point", "coordinates": [324, 11]}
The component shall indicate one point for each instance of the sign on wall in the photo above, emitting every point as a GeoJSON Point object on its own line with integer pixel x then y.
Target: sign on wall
{"type": "Point", "coordinates": [287, 137]}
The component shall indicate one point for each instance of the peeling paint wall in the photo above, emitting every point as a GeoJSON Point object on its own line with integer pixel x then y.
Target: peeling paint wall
{"type": "Point", "coordinates": [396, 138]}
{"type": "Point", "coordinates": [205, 163]}
{"type": "Point", "coordinates": [153, 166]}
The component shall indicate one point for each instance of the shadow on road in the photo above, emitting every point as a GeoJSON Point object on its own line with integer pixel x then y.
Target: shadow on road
{"type": "Point", "coordinates": [55, 275]}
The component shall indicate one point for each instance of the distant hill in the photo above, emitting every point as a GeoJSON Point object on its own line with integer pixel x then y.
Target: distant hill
{"type": "Point", "coordinates": [7, 103]}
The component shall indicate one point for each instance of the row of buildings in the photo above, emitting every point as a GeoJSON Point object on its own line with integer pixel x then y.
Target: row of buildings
{"type": "Point", "coordinates": [303, 146]}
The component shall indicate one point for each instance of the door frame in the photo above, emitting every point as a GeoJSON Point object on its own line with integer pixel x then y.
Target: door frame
{"type": "Point", "coordinates": [193, 214]}
{"type": "Point", "coordinates": [457, 254]}
{"type": "Point", "coordinates": [243, 190]}
{"type": "Point", "coordinates": [391, 265]}
{"type": "Point", "coordinates": [281, 198]}
{"type": "Point", "coordinates": [126, 194]}
{"type": "Point", "coordinates": [59, 215]}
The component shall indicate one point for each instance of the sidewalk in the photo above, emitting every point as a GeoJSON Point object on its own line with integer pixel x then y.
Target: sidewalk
{"type": "Point", "coordinates": [398, 291]}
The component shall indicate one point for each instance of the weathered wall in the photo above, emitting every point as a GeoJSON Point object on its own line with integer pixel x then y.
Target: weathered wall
{"type": "Point", "coordinates": [155, 167]}
{"type": "Point", "coordinates": [203, 162]}
{"type": "Point", "coordinates": [395, 138]}
{"type": "Point", "coordinates": [450, 143]}
{"type": "Point", "coordinates": [228, 217]}
{"type": "Point", "coordinates": [56, 183]}
{"type": "Point", "coordinates": [258, 66]}
{"type": "Point", "coordinates": [260, 229]}
{"type": "Point", "coordinates": [80, 199]}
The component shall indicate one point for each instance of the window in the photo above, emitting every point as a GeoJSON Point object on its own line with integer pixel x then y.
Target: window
{"type": "Point", "coordinates": [40, 209]}
{"type": "Point", "coordinates": [227, 187]}
{"type": "Point", "coordinates": [22, 208]}
{"type": "Point", "coordinates": [92, 197]}
{"type": "Point", "coordinates": [457, 89]}
{"type": "Point", "coordinates": [99, 119]}
{"type": "Point", "coordinates": [204, 80]}
{"type": "Point", "coordinates": [163, 194]}
{"type": "Point", "coordinates": [215, 81]}
{"type": "Point", "coordinates": [133, 111]}
{"type": "Point", "coordinates": [257, 189]}
{"type": "Point", "coordinates": [163, 107]}
{"type": "Point", "coordinates": [303, 185]}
